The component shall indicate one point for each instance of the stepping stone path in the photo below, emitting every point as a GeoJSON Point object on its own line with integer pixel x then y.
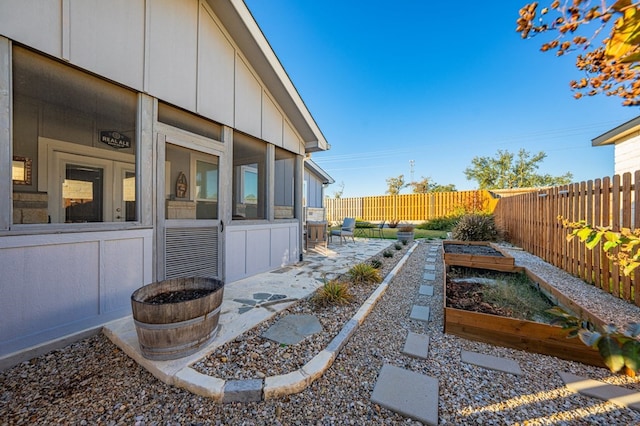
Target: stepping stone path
{"type": "Point", "coordinates": [415, 395]}
{"type": "Point", "coordinates": [419, 397]}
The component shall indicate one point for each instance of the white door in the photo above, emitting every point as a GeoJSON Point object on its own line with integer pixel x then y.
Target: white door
{"type": "Point", "coordinates": [124, 192]}
{"type": "Point", "coordinates": [91, 189]}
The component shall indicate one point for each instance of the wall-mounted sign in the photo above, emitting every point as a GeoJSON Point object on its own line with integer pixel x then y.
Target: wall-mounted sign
{"type": "Point", "coordinates": [115, 139]}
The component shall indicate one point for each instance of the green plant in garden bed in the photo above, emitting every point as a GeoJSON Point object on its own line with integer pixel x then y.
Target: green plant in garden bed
{"type": "Point", "coordinates": [364, 273]}
{"type": "Point", "coordinates": [511, 293]}
{"type": "Point", "coordinates": [387, 253]}
{"type": "Point", "coordinates": [517, 293]}
{"type": "Point", "coordinates": [398, 246]}
{"type": "Point", "coordinates": [333, 292]}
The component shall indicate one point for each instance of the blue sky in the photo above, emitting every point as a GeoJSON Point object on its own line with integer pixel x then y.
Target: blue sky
{"type": "Point", "coordinates": [391, 82]}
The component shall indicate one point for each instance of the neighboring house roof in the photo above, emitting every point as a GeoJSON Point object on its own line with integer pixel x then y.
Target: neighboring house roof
{"type": "Point", "coordinates": [620, 132]}
{"type": "Point", "coordinates": [247, 34]}
{"type": "Point", "coordinates": [318, 171]}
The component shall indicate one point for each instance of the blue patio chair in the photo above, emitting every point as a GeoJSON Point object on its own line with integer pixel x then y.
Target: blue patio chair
{"type": "Point", "coordinates": [348, 226]}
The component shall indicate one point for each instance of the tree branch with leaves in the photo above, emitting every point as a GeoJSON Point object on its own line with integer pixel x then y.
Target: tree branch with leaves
{"type": "Point", "coordinates": [627, 242]}
{"type": "Point", "coordinates": [610, 62]}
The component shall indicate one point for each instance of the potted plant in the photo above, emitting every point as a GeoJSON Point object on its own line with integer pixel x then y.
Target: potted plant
{"type": "Point", "coordinates": [405, 233]}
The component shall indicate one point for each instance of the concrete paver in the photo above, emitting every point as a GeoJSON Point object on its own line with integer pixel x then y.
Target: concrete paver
{"type": "Point", "coordinates": [408, 393]}
{"type": "Point", "coordinates": [242, 391]}
{"type": "Point", "coordinates": [429, 276]}
{"type": "Point", "coordinates": [426, 290]}
{"type": "Point", "coordinates": [491, 362]}
{"type": "Point", "coordinates": [293, 329]}
{"type": "Point", "coordinates": [596, 389]}
{"type": "Point", "coordinates": [416, 345]}
{"type": "Point", "coordinates": [430, 267]}
{"type": "Point", "coordinates": [420, 313]}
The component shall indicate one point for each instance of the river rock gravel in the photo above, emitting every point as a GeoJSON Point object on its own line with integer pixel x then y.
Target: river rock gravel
{"type": "Point", "coordinates": [93, 382]}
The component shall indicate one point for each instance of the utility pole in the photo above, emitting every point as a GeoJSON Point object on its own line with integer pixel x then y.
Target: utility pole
{"type": "Point", "coordinates": [412, 163]}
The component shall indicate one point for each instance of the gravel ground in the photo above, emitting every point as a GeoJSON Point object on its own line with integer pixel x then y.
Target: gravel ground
{"type": "Point", "coordinates": [93, 382]}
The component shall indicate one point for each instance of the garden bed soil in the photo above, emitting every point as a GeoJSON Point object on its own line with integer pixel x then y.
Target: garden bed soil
{"type": "Point", "coordinates": [477, 254]}
{"type": "Point", "coordinates": [477, 320]}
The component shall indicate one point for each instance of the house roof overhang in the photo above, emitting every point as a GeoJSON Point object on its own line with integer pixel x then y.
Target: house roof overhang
{"type": "Point", "coordinates": [618, 133]}
{"type": "Point", "coordinates": [318, 171]}
{"type": "Point", "coordinates": [247, 34]}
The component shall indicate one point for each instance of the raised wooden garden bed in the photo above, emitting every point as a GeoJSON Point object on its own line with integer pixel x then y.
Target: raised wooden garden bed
{"type": "Point", "coordinates": [524, 335]}
{"type": "Point", "coordinates": [478, 254]}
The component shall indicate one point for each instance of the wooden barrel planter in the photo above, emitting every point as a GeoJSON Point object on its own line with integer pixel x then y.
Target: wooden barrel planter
{"type": "Point", "coordinates": [176, 317]}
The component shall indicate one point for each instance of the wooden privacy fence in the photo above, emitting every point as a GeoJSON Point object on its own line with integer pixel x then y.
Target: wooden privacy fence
{"type": "Point", "coordinates": [409, 207]}
{"type": "Point", "coordinates": [531, 222]}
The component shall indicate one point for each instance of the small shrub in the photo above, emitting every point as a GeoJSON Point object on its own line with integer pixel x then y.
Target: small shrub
{"type": "Point", "coordinates": [440, 223]}
{"type": "Point", "coordinates": [392, 223]}
{"type": "Point", "coordinates": [387, 253]}
{"type": "Point", "coordinates": [476, 227]}
{"type": "Point", "coordinates": [405, 242]}
{"type": "Point", "coordinates": [364, 273]}
{"type": "Point", "coordinates": [375, 263]}
{"type": "Point", "coordinates": [398, 246]}
{"type": "Point", "coordinates": [331, 293]}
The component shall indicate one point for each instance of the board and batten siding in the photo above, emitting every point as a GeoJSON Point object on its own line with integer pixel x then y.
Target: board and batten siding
{"type": "Point", "coordinates": [314, 190]}
{"type": "Point", "coordinates": [627, 155]}
{"type": "Point", "coordinates": [68, 282]}
{"type": "Point", "coordinates": [267, 247]}
{"type": "Point", "coordinates": [144, 45]}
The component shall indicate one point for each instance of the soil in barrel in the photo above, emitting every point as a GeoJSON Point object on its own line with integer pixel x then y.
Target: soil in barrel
{"type": "Point", "coordinates": [177, 296]}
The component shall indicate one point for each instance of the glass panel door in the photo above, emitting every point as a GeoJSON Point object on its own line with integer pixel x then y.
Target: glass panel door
{"type": "Point", "coordinates": [82, 194]}
{"type": "Point", "coordinates": [125, 193]}
{"type": "Point", "coordinates": [206, 189]}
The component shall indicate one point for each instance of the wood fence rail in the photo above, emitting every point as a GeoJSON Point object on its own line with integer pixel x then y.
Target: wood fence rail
{"type": "Point", "coordinates": [531, 221]}
{"type": "Point", "coordinates": [409, 207]}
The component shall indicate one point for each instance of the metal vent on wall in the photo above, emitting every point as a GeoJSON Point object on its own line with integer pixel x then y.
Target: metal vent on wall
{"type": "Point", "coordinates": [191, 252]}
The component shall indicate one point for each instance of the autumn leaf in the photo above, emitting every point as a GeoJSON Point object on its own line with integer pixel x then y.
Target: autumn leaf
{"type": "Point", "coordinates": [625, 35]}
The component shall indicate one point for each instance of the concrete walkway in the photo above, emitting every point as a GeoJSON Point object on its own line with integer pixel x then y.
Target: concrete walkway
{"type": "Point", "coordinates": [249, 302]}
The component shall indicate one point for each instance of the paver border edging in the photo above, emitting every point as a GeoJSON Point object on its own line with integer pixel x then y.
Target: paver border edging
{"type": "Point", "coordinates": [296, 381]}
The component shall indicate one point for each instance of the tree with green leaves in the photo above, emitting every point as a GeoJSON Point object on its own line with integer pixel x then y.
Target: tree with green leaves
{"type": "Point", "coordinates": [505, 171]}
{"type": "Point", "coordinates": [611, 67]}
{"type": "Point", "coordinates": [426, 185]}
{"type": "Point", "coordinates": [395, 184]}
